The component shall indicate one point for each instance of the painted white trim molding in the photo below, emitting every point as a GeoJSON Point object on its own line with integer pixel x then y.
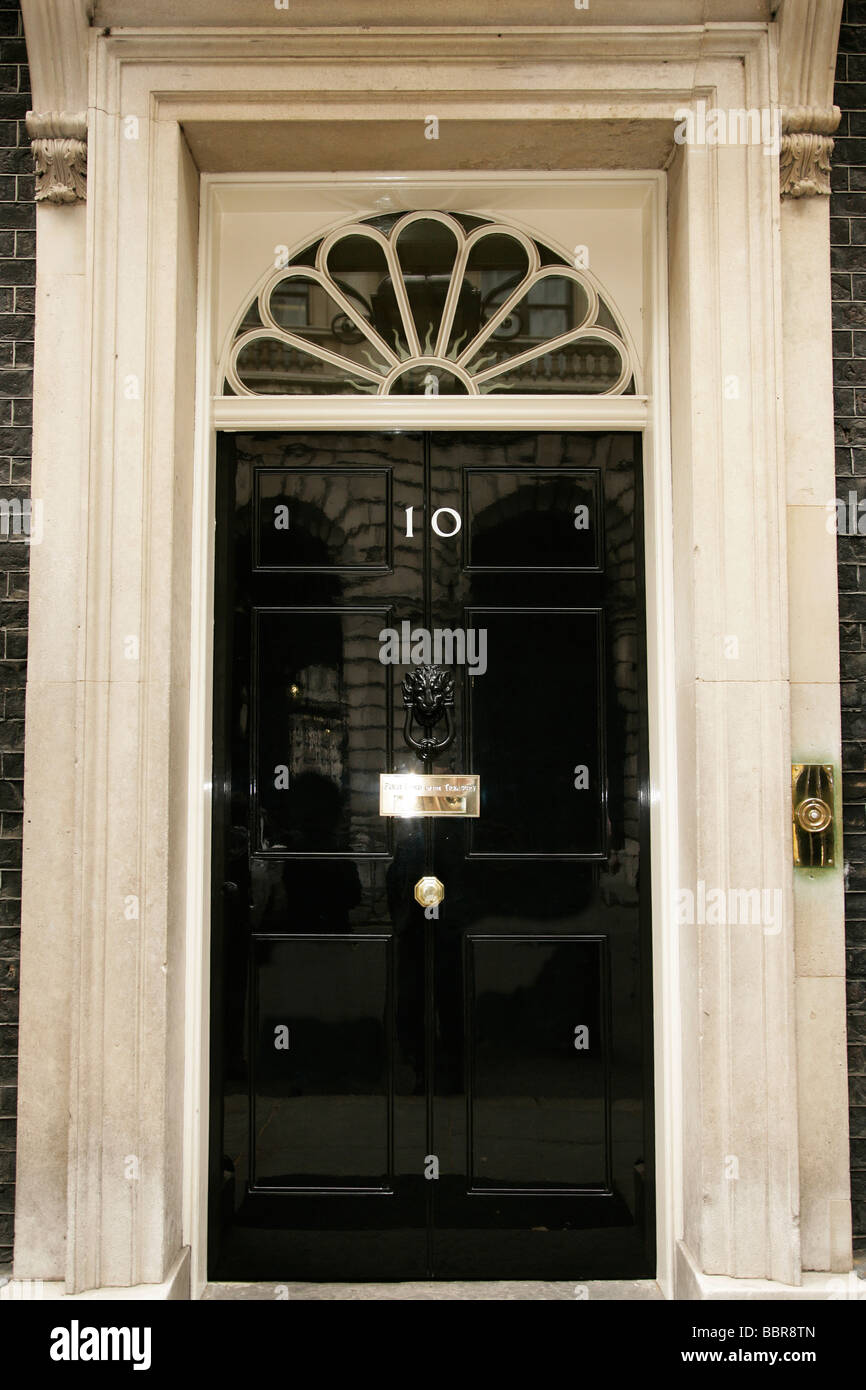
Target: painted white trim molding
{"type": "Point", "coordinates": [408, 412]}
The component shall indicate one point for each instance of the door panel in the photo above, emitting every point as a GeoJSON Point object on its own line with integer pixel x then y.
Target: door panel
{"type": "Point", "coordinates": [463, 1092]}
{"type": "Point", "coordinates": [531, 518]}
{"type": "Point", "coordinates": [321, 1116]}
{"type": "Point", "coordinates": [301, 519]}
{"type": "Point", "coordinates": [321, 721]}
{"type": "Point", "coordinates": [543, 675]}
{"type": "Point", "coordinates": [537, 1111]}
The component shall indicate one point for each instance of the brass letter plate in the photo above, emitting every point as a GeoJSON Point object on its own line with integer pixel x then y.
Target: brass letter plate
{"type": "Point", "coordinates": [407, 794]}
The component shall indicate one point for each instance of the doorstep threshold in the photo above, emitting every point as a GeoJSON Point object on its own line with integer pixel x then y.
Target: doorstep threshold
{"type": "Point", "coordinates": [433, 1290]}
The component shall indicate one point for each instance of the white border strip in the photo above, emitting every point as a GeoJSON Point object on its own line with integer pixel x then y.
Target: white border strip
{"type": "Point", "coordinates": [196, 1023]}
{"type": "Point", "coordinates": [662, 711]}
{"type": "Point", "coordinates": [493, 411]}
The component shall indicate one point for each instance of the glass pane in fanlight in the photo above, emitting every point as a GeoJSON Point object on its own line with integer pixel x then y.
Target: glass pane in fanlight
{"type": "Point", "coordinates": [585, 368]}
{"type": "Point", "coordinates": [552, 306]}
{"type": "Point", "coordinates": [383, 222]}
{"type": "Point", "coordinates": [304, 308]}
{"type": "Point", "coordinates": [308, 255]}
{"type": "Point", "coordinates": [605, 319]}
{"type": "Point", "coordinates": [359, 268]}
{"type": "Point", "coordinates": [469, 222]}
{"type": "Point", "coordinates": [496, 266]}
{"type": "Point", "coordinates": [427, 251]}
{"type": "Point", "coordinates": [428, 381]}
{"type": "Point", "coordinates": [251, 319]}
{"type": "Point", "coordinates": [269, 367]}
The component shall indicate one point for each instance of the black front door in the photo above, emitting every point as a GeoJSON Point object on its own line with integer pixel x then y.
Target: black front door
{"type": "Point", "coordinates": [451, 1091]}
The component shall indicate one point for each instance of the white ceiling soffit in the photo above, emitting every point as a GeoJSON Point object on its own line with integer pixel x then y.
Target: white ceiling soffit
{"type": "Point", "coordinates": [222, 147]}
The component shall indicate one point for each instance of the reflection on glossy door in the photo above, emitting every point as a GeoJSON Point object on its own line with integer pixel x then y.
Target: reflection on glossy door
{"type": "Point", "coordinates": [461, 1090]}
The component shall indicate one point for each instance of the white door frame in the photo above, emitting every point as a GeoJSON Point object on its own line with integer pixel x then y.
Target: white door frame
{"type": "Point", "coordinates": [648, 415]}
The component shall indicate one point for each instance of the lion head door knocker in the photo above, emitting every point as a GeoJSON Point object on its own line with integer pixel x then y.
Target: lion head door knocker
{"type": "Point", "coordinates": [428, 697]}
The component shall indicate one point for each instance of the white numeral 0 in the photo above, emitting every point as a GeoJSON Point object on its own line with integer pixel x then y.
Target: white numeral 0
{"type": "Point", "coordinates": [446, 511]}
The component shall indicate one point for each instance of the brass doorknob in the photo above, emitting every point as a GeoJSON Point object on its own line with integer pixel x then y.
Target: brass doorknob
{"type": "Point", "coordinates": [429, 891]}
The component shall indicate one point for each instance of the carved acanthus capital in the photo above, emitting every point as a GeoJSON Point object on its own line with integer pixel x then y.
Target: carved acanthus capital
{"type": "Point", "coordinates": [806, 148]}
{"type": "Point", "coordinates": [59, 143]}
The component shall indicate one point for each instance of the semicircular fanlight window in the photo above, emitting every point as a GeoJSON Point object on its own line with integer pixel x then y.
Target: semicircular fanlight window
{"type": "Point", "coordinates": [428, 303]}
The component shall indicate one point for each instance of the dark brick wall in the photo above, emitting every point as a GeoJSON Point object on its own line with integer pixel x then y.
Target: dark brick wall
{"type": "Point", "coordinates": [17, 279]}
{"type": "Point", "coordinates": [848, 237]}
